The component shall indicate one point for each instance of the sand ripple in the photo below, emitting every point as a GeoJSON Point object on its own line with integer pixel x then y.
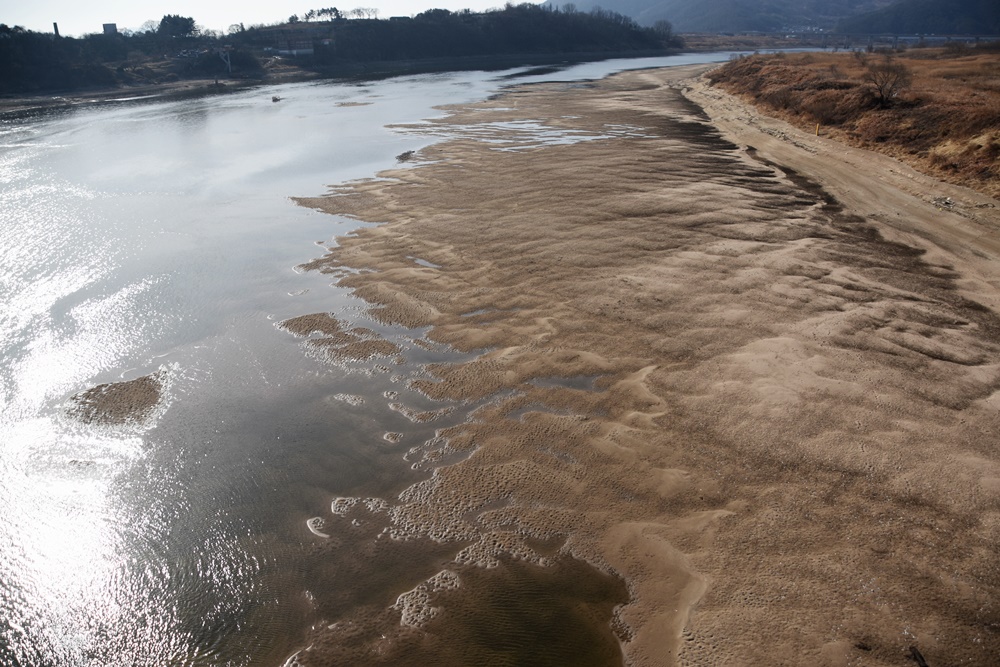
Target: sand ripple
{"type": "Point", "coordinates": [790, 430]}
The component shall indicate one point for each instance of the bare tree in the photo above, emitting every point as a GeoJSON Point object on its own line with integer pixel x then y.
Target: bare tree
{"type": "Point", "coordinates": [363, 13]}
{"type": "Point", "coordinates": [889, 78]}
{"type": "Point", "coordinates": [665, 30]}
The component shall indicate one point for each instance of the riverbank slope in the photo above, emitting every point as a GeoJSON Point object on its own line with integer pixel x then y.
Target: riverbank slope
{"type": "Point", "coordinates": [936, 109]}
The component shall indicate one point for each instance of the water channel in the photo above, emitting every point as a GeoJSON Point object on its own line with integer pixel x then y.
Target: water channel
{"type": "Point", "coordinates": [151, 235]}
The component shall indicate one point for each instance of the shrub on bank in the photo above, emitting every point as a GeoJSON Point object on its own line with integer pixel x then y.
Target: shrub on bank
{"type": "Point", "coordinates": [825, 96]}
{"type": "Point", "coordinates": [941, 111]}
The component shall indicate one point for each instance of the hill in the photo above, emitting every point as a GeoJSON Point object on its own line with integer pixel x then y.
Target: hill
{"type": "Point", "coordinates": [737, 15]}
{"type": "Point", "coordinates": [948, 17]}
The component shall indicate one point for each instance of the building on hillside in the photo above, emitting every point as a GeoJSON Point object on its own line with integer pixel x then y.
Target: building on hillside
{"type": "Point", "coordinates": [297, 39]}
{"type": "Point", "coordinates": [290, 47]}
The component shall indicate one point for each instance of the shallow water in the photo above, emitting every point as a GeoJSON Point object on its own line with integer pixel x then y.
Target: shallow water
{"type": "Point", "coordinates": [144, 235]}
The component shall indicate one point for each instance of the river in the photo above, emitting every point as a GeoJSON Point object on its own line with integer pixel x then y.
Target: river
{"type": "Point", "coordinates": [151, 235]}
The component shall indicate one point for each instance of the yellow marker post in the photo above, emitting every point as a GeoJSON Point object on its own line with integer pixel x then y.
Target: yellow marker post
{"type": "Point", "coordinates": [817, 129]}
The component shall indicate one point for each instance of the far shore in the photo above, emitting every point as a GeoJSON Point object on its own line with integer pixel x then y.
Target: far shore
{"type": "Point", "coordinates": [185, 88]}
{"type": "Point", "coordinates": [290, 72]}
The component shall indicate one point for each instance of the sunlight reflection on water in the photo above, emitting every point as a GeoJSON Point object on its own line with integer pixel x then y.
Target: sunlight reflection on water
{"type": "Point", "coordinates": [136, 237]}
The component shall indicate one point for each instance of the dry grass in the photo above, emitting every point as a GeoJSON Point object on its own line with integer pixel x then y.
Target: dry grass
{"type": "Point", "coordinates": [947, 123]}
{"type": "Point", "coordinates": [701, 41]}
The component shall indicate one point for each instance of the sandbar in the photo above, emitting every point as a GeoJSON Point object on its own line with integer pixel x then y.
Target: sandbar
{"type": "Point", "coordinates": [788, 450]}
{"type": "Point", "coordinates": [124, 402]}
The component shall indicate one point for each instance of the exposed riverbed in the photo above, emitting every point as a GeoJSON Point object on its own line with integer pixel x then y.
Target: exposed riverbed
{"type": "Point", "coordinates": [750, 373]}
{"type": "Point", "coordinates": [149, 255]}
{"type": "Point", "coordinates": [603, 371]}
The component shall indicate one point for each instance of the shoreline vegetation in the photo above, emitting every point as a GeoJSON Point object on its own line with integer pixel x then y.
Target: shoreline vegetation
{"type": "Point", "coordinates": [789, 428]}
{"type": "Point", "coordinates": [938, 109]}
{"type": "Point", "coordinates": [285, 73]}
{"type": "Point", "coordinates": [175, 51]}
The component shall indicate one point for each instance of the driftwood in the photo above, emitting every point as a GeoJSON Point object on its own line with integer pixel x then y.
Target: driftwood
{"type": "Point", "coordinates": [917, 657]}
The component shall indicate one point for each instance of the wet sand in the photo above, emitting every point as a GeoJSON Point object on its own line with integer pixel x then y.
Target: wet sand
{"type": "Point", "coordinates": [119, 402]}
{"type": "Point", "coordinates": [748, 374]}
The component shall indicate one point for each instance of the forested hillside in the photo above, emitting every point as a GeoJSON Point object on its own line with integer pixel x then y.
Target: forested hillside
{"type": "Point", "coordinates": [942, 17]}
{"type": "Point", "coordinates": [737, 15]}
{"type": "Point", "coordinates": [525, 28]}
{"type": "Point", "coordinates": [35, 62]}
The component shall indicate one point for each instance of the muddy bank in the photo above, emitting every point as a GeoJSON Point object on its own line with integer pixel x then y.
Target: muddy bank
{"type": "Point", "coordinates": [763, 400]}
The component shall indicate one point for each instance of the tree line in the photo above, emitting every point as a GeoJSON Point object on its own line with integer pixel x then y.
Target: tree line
{"type": "Point", "coordinates": [32, 62]}
{"type": "Point", "coordinates": [334, 14]}
{"type": "Point", "coordinates": [515, 29]}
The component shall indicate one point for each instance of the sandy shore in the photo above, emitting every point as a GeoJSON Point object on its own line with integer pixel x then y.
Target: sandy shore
{"type": "Point", "coordinates": [758, 385]}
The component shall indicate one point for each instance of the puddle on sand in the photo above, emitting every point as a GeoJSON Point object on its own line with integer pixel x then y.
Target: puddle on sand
{"type": "Point", "coordinates": [578, 382]}
{"type": "Point", "coordinates": [493, 313]}
{"type": "Point", "coordinates": [481, 311]}
{"type": "Point", "coordinates": [424, 263]}
{"type": "Point", "coordinates": [518, 414]}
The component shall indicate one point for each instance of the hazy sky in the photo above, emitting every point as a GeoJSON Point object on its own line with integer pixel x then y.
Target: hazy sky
{"type": "Point", "coordinates": [76, 17]}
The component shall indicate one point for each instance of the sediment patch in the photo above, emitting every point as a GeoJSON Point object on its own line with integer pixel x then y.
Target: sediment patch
{"type": "Point", "coordinates": [337, 342]}
{"type": "Point", "coordinates": [132, 401]}
{"type": "Point", "coordinates": [788, 425]}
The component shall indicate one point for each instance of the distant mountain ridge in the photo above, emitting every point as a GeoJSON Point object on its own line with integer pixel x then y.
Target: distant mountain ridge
{"type": "Point", "coordinates": [969, 17]}
{"type": "Point", "coordinates": [921, 17]}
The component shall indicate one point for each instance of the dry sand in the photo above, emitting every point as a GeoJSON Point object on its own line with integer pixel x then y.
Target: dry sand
{"type": "Point", "coordinates": [778, 414]}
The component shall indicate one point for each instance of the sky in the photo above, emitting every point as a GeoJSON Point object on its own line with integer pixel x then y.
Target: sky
{"type": "Point", "coordinates": [77, 18]}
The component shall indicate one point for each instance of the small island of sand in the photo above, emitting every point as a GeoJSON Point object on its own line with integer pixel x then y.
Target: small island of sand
{"type": "Point", "coordinates": [131, 401]}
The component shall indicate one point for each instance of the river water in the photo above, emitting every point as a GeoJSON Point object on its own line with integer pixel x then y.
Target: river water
{"type": "Point", "coordinates": [158, 235]}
